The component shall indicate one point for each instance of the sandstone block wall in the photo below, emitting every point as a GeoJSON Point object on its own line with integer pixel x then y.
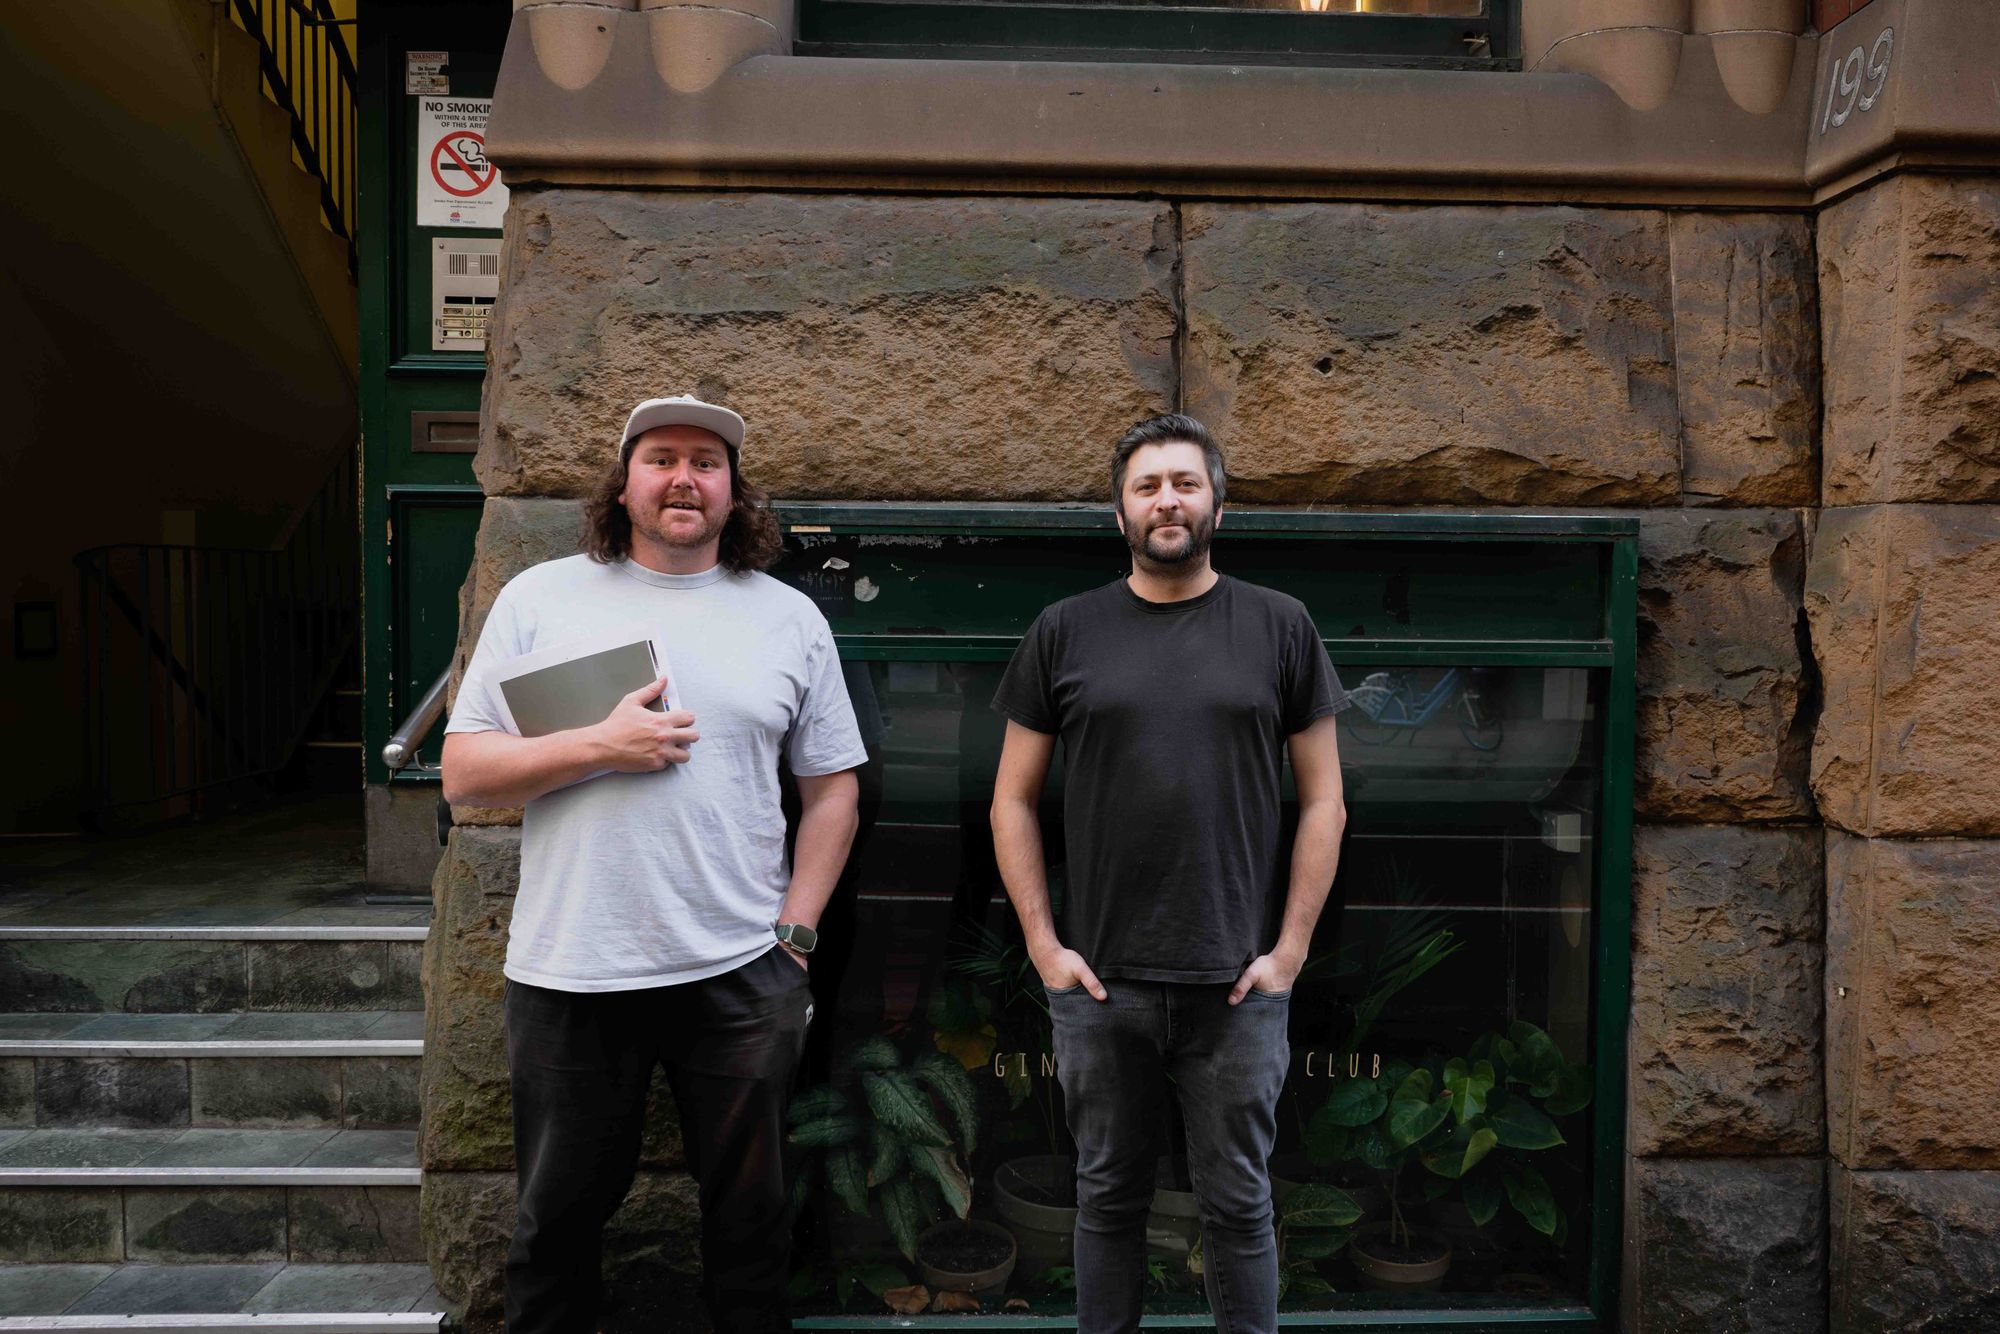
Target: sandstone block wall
{"type": "Point", "coordinates": [1911, 341]}
{"type": "Point", "coordinates": [1901, 597]}
{"type": "Point", "coordinates": [1815, 640]}
{"type": "Point", "coordinates": [934, 349]}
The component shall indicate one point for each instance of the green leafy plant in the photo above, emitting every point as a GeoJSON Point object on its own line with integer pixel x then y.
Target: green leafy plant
{"type": "Point", "coordinates": [889, 1138]}
{"type": "Point", "coordinates": [1022, 1016]}
{"type": "Point", "coordinates": [1410, 950]}
{"type": "Point", "coordinates": [962, 1023]}
{"type": "Point", "coordinates": [1312, 1227]}
{"type": "Point", "coordinates": [1372, 967]}
{"type": "Point", "coordinates": [1471, 1123]}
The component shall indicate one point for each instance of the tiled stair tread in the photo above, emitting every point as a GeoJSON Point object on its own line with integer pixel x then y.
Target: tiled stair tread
{"type": "Point", "coordinates": [177, 926]}
{"type": "Point", "coordinates": [119, 1031]}
{"type": "Point", "coordinates": [30, 1294]}
{"type": "Point", "coordinates": [160, 1157]}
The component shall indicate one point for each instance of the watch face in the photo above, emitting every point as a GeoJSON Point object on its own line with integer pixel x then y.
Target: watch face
{"type": "Point", "coordinates": [801, 938]}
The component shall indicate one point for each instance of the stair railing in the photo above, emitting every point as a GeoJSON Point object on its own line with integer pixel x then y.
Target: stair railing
{"type": "Point", "coordinates": [308, 70]}
{"type": "Point", "coordinates": [401, 751]}
{"type": "Point", "coordinates": [204, 666]}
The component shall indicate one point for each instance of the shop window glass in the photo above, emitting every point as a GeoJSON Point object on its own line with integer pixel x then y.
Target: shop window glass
{"type": "Point", "coordinates": [1459, 34]}
{"type": "Point", "coordinates": [1459, 948]}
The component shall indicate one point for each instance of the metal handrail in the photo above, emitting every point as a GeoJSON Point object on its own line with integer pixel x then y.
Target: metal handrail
{"type": "Point", "coordinates": [404, 741]}
{"type": "Point", "coordinates": [309, 72]}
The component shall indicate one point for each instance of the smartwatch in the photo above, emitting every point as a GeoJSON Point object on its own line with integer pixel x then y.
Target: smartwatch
{"type": "Point", "coordinates": [797, 938]}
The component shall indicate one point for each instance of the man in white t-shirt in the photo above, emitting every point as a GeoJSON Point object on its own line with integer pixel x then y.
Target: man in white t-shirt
{"type": "Point", "coordinates": [657, 922]}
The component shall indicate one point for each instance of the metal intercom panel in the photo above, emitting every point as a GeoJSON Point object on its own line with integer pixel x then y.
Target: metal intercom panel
{"type": "Point", "coordinates": [465, 279]}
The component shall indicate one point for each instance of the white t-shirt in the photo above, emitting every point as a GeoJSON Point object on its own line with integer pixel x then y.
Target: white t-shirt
{"type": "Point", "coordinates": [645, 880]}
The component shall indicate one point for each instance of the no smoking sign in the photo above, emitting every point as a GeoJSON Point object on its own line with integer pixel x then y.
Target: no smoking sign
{"type": "Point", "coordinates": [457, 185]}
{"type": "Point", "coordinates": [459, 165]}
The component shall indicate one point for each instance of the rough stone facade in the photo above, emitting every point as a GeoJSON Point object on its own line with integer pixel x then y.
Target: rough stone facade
{"type": "Point", "coordinates": [1724, 721]}
{"type": "Point", "coordinates": [935, 349]}
{"type": "Point", "coordinates": [1726, 1246]}
{"type": "Point", "coordinates": [1913, 1250]}
{"type": "Point", "coordinates": [1901, 600]}
{"type": "Point", "coordinates": [1457, 356]}
{"type": "Point", "coordinates": [1911, 337]}
{"type": "Point", "coordinates": [1913, 1021]}
{"type": "Point", "coordinates": [1728, 938]}
{"type": "Point", "coordinates": [1746, 310]}
{"type": "Point", "coordinates": [1817, 631]}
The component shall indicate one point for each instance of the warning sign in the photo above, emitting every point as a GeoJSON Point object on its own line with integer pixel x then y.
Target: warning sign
{"type": "Point", "coordinates": [424, 72]}
{"type": "Point", "coordinates": [457, 186]}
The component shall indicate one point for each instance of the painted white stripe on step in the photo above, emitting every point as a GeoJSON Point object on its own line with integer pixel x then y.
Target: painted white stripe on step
{"type": "Point", "coordinates": [215, 932]}
{"type": "Point", "coordinates": [213, 1049]}
{"type": "Point", "coordinates": [104, 1177]}
{"type": "Point", "coordinates": [357, 1322]}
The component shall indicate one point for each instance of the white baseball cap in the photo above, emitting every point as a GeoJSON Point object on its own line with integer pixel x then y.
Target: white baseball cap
{"type": "Point", "coordinates": [682, 410]}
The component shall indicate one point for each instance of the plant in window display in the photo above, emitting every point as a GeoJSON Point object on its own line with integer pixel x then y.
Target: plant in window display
{"type": "Point", "coordinates": [1414, 944]}
{"type": "Point", "coordinates": [1036, 1193]}
{"type": "Point", "coordinates": [962, 1024]}
{"type": "Point", "coordinates": [889, 1138]}
{"type": "Point", "coordinates": [1472, 1124]}
{"type": "Point", "coordinates": [1312, 1227]}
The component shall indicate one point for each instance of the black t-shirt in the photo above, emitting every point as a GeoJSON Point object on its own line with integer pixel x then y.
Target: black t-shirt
{"type": "Point", "coordinates": [1173, 718]}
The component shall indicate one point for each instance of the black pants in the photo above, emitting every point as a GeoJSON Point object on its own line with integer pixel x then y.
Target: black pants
{"type": "Point", "coordinates": [580, 1064]}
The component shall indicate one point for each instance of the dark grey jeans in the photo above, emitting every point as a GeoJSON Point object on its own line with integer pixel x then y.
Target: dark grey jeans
{"type": "Point", "coordinates": [580, 1065]}
{"type": "Point", "coordinates": [1227, 1064]}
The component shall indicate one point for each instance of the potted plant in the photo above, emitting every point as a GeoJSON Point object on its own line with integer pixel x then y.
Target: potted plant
{"type": "Point", "coordinates": [889, 1138]}
{"type": "Point", "coordinates": [1471, 1123]}
{"type": "Point", "coordinates": [1415, 944]}
{"type": "Point", "coordinates": [1035, 1195]}
{"type": "Point", "coordinates": [966, 1255]}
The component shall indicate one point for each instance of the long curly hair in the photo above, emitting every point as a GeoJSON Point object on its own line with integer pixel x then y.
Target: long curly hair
{"type": "Point", "coordinates": [751, 538]}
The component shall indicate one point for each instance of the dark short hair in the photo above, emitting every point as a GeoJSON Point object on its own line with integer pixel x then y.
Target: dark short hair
{"type": "Point", "coordinates": [1169, 428]}
{"type": "Point", "coordinates": [751, 538]}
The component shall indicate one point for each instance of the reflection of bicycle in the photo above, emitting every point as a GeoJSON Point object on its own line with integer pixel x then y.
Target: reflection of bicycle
{"type": "Point", "coordinates": [1388, 705]}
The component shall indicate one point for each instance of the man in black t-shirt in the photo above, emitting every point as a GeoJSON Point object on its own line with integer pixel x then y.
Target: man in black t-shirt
{"type": "Point", "coordinates": [1177, 693]}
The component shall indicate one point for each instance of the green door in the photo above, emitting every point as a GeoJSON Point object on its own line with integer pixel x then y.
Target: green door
{"type": "Point", "coordinates": [426, 281]}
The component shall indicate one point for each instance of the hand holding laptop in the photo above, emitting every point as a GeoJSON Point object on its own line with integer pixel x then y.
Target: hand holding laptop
{"type": "Point", "coordinates": [586, 685]}
{"type": "Point", "coordinates": [640, 739]}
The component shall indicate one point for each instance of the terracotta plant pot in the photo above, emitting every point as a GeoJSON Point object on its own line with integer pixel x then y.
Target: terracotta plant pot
{"type": "Point", "coordinates": [1387, 1275]}
{"type": "Point", "coordinates": [948, 1277]}
{"type": "Point", "coordinates": [1044, 1233]}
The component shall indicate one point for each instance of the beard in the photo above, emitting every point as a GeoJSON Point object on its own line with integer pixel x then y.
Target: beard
{"type": "Point", "coordinates": [651, 526]}
{"type": "Point", "coordinates": [1190, 546]}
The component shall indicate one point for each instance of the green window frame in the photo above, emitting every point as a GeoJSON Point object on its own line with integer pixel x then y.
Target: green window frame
{"type": "Point", "coordinates": [974, 610]}
{"type": "Point", "coordinates": [1140, 32]}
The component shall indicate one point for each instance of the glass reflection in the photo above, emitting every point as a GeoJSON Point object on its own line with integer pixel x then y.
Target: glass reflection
{"type": "Point", "coordinates": [1454, 954]}
{"type": "Point", "coordinates": [1406, 8]}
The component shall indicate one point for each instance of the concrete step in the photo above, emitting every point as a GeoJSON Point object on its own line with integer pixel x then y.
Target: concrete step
{"type": "Point", "coordinates": [352, 1070]}
{"type": "Point", "coordinates": [184, 967]}
{"type": "Point", "coordinates": [209, 1196]}
{"type": "Point", "coordinates": [293, 1298]}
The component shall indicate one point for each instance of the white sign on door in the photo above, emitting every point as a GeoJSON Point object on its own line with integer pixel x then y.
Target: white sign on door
{"type": "Point", "coordinates": [456, 185]}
